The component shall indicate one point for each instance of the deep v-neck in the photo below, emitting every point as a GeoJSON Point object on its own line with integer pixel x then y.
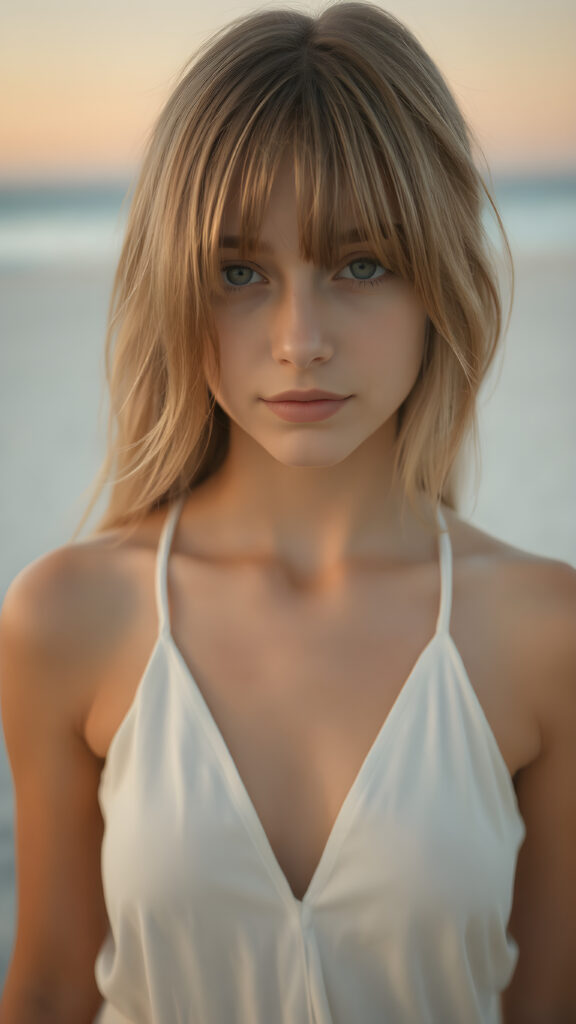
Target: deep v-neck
{"type": "Point", "coordinates": [238, 791]}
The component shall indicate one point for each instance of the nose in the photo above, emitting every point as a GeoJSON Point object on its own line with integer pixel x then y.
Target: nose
{"type": "Point", "coordinates": [299, 332]}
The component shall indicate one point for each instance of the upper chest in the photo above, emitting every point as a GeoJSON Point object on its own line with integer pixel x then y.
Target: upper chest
{"type": "Point", "coordinates": [321, 671]}
{"type": "Point", "coordinates": [301, 682]}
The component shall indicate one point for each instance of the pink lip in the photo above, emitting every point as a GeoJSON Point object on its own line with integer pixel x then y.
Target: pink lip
{"type": "Point", "coordinates": [309, 411]}
{"type": "Point", "coordinates": [311, 395]}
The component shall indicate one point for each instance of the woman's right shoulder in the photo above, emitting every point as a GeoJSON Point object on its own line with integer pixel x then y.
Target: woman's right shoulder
{"type": "Point", "coordinates": [67, 590]}
{"type": "Point", "coordinates": [65, 613]}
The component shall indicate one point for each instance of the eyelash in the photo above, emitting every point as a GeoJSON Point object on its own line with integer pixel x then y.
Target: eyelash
{"type": "Point", "coordinates": [358, 259]}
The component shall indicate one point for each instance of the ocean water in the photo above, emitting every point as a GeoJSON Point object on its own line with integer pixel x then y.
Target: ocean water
{"type": "Point", "coordinates": [58, 246]}
{"type": "Point", "coordinates": [58, 224]}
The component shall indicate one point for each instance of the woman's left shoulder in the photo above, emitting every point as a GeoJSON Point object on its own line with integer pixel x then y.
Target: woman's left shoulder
{"type": "Point", "coordinates": [540, 578]}
{"type": "Point", "coordinates": [534, 597]}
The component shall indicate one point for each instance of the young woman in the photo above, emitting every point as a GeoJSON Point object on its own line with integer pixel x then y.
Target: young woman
{"type": "Point", "coordinates": [292, 743]}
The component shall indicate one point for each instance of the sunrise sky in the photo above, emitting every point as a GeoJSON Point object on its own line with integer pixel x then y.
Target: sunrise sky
{"type": "Point", "coordinates": [83, 81]}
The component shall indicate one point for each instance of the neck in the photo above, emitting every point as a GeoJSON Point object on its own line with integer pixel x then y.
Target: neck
{"type": "Point", "coordinates": [313, 520]}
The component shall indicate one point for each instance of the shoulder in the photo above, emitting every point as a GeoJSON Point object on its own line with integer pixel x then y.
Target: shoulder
{"type": "Point", "coordinates": [64, 615]}
{"type": "Point", "coordinates": [527, 583]}
{"type": "Point", "coordinates": [532, 602]}
{"type": "Point", "coordinates": [55, 600]}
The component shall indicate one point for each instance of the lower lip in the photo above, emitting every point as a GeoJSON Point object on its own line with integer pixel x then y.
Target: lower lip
{"type": "Point", "coordinates": [307, 412]}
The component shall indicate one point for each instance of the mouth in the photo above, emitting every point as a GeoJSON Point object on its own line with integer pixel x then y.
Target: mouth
{"type": "Point", "coordinates": [313, 395]}
{"type": "Point", "coordinates": [307, 411]}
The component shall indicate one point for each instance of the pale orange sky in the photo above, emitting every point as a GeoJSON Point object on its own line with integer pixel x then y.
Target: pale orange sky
{"type": "Point", "coordinates": [82, 82]}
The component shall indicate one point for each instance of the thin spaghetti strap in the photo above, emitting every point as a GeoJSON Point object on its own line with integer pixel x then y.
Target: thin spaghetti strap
{"type": "Point", "coordinates": [443, 623]}
{"type": "Point", "coordinates": [162, 556]}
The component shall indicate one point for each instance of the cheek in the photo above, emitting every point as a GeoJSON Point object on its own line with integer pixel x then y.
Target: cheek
{"type": "Point", "coordinates": [399, 337]}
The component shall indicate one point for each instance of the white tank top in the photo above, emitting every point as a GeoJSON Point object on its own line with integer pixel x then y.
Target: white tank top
{"type": "Point", "coordinates": [405, 918]}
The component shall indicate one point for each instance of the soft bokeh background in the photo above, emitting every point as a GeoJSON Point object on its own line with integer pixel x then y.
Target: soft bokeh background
{"type": "Point", "coordinates": [82, 84]}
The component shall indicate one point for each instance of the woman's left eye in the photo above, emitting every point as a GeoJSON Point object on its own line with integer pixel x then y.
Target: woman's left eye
{"type": "Point", "coordinates": [367, 267]}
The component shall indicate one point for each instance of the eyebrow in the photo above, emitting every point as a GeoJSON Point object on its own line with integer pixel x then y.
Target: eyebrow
{"type": "Point", "coordinates": [233, 241]}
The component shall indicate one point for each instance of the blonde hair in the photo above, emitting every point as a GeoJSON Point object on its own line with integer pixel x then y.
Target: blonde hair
{"type": "Point", "coordinates": [369, 120]}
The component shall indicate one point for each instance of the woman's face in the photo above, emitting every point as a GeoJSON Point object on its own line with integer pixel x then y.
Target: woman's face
{"type": "Point", "coordinates": [354, 329]}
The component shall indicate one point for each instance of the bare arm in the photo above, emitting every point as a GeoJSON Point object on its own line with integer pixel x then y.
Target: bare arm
{"type": "Point", "coordinates": [61, 917]}
{"type": "Point", "coordinates": [543, 919]}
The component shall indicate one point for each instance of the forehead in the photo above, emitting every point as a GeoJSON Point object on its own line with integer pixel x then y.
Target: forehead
{"type": "Point", "coordinates": [234, 241]}
{"type": "Point", "coordinates": [241, 209]}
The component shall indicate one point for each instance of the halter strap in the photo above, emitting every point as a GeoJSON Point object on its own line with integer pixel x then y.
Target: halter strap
{"type": "Point", "coordinates": [163, 552]}
{"type": "Point", "coordinates": [445, 549]}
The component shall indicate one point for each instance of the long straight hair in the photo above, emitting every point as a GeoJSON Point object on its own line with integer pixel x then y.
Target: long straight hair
{"type": "Point", "coordinates": [369, 120]}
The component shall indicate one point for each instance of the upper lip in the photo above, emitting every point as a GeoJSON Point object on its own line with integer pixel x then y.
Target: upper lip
{"type": "Point", "coordinates": [304, 396]}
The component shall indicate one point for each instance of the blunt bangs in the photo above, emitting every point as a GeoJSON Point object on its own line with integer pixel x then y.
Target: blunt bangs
{"type": "Point", "coordinates": [308, 122]}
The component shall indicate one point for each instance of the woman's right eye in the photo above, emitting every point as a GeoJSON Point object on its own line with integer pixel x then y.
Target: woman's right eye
{"type": "Point", "coordinates": [239, 276]}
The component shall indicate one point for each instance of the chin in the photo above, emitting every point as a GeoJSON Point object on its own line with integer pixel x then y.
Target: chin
{"type": "Point", "coordinates": [312, 456]}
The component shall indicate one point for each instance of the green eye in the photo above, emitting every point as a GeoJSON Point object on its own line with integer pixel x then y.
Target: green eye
{"type": "Point", "coordinates": [239, 269]}
{"type": "Point", "coordinates": [366, 268]}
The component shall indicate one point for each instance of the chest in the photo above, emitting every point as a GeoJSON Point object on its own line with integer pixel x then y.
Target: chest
{"type": "Point", "coordinates": [300, 684]}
